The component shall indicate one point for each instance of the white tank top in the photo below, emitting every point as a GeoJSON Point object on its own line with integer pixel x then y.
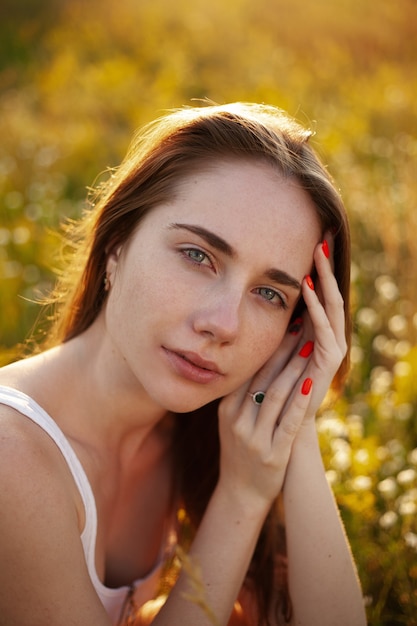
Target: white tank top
{"type": "Point", "coordinates": [112, 599]}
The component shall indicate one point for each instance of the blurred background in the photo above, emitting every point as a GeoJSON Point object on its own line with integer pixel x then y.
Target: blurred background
{"type": "Point", "coordinates": [77, 78]}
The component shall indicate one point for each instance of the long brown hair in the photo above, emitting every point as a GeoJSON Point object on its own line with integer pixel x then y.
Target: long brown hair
{"type": "Point", "coordinates": [159, 157]}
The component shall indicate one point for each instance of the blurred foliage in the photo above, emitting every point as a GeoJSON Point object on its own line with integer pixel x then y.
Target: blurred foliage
{"type": "Point", "coordinates": [76, 78]}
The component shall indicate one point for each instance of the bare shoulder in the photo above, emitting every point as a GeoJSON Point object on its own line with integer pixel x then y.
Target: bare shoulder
{"type": "Point", "coordinates": [33, 473]}
{"type": "Point", "coordinates": [26, 450]}
{"type": "Point", "coordinates": [40, 548]}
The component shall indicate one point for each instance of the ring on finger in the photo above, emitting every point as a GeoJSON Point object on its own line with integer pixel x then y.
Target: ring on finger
{"type": "Point", "coordinates": [257, 397]}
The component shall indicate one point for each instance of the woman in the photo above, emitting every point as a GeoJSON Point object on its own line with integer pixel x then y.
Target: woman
{"type": "Point", "coordinates": [197, 330]}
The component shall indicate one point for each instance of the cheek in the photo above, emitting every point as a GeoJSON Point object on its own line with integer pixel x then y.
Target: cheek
{"type": "Point", "coordinates": [263, 344]}
{"type": "Point", "coordinates": [145, 295]}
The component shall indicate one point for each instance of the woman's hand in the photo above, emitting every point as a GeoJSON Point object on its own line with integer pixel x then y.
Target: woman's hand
{"type": "Point", "coordinates": [256, 441]}
{"type": "Point", "coordinates": [324, 325]}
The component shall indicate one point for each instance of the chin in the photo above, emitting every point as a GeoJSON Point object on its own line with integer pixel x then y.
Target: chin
{"type": "Point", "coordinates": [187, 405]}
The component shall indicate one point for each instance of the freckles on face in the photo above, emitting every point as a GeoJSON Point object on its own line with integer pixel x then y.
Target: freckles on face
{"type": "Point", "coordinates": [216, 273]}
{"type": "Point", "coordinates": [262, 347]}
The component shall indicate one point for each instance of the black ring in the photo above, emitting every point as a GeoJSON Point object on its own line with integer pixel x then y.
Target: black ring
{"type": "Point", "coordinates": [257, 397]}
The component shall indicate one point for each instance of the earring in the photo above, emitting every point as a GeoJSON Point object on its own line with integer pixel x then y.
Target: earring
{"type": "Point", "coordinates": [106, 283]}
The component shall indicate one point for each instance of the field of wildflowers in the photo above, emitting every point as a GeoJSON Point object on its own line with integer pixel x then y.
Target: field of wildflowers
{"type": "Point", "coordinates": [76, 79]}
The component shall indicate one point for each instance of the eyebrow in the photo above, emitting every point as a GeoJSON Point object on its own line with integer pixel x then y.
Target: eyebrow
{"type": "Point", "coordinates": [281, 277]}
{"type": "Point", "coordinates": [220, 244]}
{"type": "Point", "coordinates": [214, 240]}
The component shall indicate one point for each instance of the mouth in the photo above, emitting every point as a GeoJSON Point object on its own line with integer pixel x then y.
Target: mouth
{"type": "Point", "coordinates": [193, 367]}
{"type": "Point", "coordinates": [196, 360]}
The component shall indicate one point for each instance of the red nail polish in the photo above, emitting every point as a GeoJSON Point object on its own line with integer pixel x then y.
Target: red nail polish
{"type": "Point", "coordinates": [295, 326]}
{"type": "Point", "coordinates": [306, 387]}
{"type": "Point", "coordinates": [307, 349]}
{"type": "Point", "coordinates": [309, 282]}
{"type": "Point", "coordinates": [325, 248]}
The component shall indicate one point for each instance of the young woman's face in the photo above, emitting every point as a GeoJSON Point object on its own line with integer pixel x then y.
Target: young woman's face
{"type": "Point", "coordinates": [202, 294]}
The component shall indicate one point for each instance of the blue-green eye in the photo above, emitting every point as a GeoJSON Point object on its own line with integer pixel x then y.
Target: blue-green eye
{"type": "Point", "coordinates": [272, 296]}
{"type": "Point", "coordinates": [196, 255]}
{"type": "Point", "coordinates": [266, 293]}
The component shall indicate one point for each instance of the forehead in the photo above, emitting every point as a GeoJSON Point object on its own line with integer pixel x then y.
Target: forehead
{"type": "Point", "coordinates": [259, 212]}
{"type": "Point", "coordinates": [248, 196]}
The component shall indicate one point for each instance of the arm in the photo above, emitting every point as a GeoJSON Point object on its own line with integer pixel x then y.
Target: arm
{"type": "Point", "coordinates": [43, 575]}
{"type": "Point", "coordinates": [254, 459]}
{"type": "Point", "coordinates": [258, 453]}
{"type": "Point", "coordinates": [322, 577]}
{"type": "Point", "coordinates": [323, 583]}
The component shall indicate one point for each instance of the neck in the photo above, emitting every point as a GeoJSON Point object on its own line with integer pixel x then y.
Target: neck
{"type": "Point", "coordinates": [87, 390]}
{"type": "Point", "coordinates": [114, 396]}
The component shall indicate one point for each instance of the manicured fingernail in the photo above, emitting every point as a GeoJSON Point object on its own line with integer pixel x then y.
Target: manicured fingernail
{"type": "Point", "coordinates": [325, 248]}
{"type": "Point", "coordinates": [307, 349]}
{"type": "Point", "coordinates": [295, 326]}
{"type": "Point", "coordinates": [306, 387]}
{"type": "Point", "coordinates": [309, 282]}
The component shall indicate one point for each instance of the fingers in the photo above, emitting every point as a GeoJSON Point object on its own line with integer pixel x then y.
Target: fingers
{"type": "Point", "coordinates": [262, 379]}
{"type": "Point", "coordinates": [259, 421]}
{"type": "Point", "coordinates": [257, 438]}
{"type": "Point", "coordinates": [273, 438]}
{"type": "Point", "coordinates": [293, 419]}
{"type": "Point", "coordinates": [255, 452]}
{"type": "Point", "coordinates": [315, 353]}
{"type": "Point", "coordinates": [325, 304]}
{"type": "Point", "coordinates": [325, 320]}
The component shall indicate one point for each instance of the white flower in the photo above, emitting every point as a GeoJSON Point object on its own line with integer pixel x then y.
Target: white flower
{"type": "Point", "coordinates": [381, 380]}
{"type": "Point", "coordinates": [355, 426]}
{"type": "Point", "coordinates": [411, 540]}
{"type": "Point", "coordinates": [386, 288]}
{"type": "Point", "coordinates": [338, 443]}
{"type": "Point", "coordinates": [341, 460]}
{"type": "Point", "coordinates": [407, 503]}
{"type": "Point", "coordinates": [332, 477]}
{"type": "Point", "coordinates": [361, 483]}
{"type": "Point", "coordinates": [21, 235]}
{"type": "Point", "coordinates": [362, 456]}
{"type": "Point", "coordinates": [412, 457]}
{"type": "Point", "coordinates": [407, 477]}
{"type": "Point", "coordinates": [388, 487]}
{"type": "Point", "coordinates": [402, 348]}
{"type": "Point", "coordinates": [379, 343]}
{"type": "Point", "coordinates": [398, 325]}
{"type": "Point", "coordinates": [330, 424]}
{"type": "Point", "coordinates": [388, 520]}
{"type": "Point", "coordinates": [402, 369]}
{"type": "Point", "coordinates": [407, 507]}
{"type": "Point", "coordinates": [368, 318]}
{"type": "Point", "coordinates": [356, 355]}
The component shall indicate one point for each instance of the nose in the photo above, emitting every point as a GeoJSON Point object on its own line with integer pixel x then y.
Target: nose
{"type": "Point", "coordinates": [219, 317]}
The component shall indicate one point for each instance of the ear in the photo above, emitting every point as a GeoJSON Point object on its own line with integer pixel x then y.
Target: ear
{"type": "Point", "coordinates": [111, 264]}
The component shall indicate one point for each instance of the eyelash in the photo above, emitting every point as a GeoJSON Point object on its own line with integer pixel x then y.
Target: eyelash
{"type": "Point", "coordinates": [282, 304]}
{"type": "Point", "coordinates": [187, 253]}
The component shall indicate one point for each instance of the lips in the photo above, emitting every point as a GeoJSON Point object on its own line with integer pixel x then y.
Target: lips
{"type": "Point", "coordinates": [195, 359]}
{"type": "Point", "coordinates": [191, 366]}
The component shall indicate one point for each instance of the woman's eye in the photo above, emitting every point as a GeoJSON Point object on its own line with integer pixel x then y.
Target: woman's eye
{"type": "Point", "coordinates": [196, 255]}
{"type": "Point", "coordinates": [272, 296]}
